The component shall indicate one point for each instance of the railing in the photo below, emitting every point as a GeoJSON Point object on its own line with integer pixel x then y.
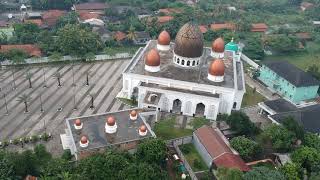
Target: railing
{"type": "Point", "coordinates": [249, 61]}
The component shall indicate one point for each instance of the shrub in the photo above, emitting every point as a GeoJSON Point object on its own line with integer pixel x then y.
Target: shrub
{"type": "Point", "coordinates": [247, 148]}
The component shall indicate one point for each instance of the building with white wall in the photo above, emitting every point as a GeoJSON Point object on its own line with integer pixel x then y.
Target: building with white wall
{"type": "Point", "coordinates": [183, 77]}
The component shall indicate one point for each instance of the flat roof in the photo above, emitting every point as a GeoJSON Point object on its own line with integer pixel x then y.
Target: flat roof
{"type": "Point", "coordinates": [280, 105]}
{"type": "Point", "coordinates": [94, 129]}
{"type": "Point", "coordinates": [169, 70]}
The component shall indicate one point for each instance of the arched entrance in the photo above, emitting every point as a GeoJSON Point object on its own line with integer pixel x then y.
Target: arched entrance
{"type": "Point", "coordinates": [176, 107]}
{"type": "Point", "coordinates": [200, 109]}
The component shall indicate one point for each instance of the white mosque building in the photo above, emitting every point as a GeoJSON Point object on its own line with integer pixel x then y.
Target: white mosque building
{"type": "Point", "coordinates": [185, 77]}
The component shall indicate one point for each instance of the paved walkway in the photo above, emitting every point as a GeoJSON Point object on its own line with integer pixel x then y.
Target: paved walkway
{"type": "Point", "coordinates": [260, 88]}
{"type": "Point", "coordinates": [104, 84]}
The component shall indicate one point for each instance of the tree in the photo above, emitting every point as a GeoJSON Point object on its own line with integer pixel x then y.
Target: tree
{"type": "Point", "coordinates": [283, 43]}
{"type": "Point", "coordinates": [131, 34]}
{"type": "Point", "coordinates": [24, 99]}
{"type": "Point", "coordinates": [17, 56]}
{"type": "Point", "coordinates": [306, 157]}
{"type": "Point", "coordinates": [41, 154]}
{"type": "Point", "coordinates": [76, 41]}
{"type": "Point", "coordinates": [58, 76]}
{"type": "Point", "coordinates": [254, 48]}
{"type": "Point", "coordinates": [70, 18]}
{"type": "Point", "coordinates": [280, 138]}
{"type": "Point", "coordinates": [292, 171]}
{"type": "Point", "coordinates": [26, 33]}
{"type": "Point", "coordinates": [152, 151]}
{"type": "Point", "coordinates": [28, 77]}
{"type": "Point", "coordinates": [311, 140]}
{"type": "Point", "coordinates": [240, 122]}
{"type": "Point", "coordinates": [143, 171]}
{"type": "Point", "coordinates": [247, 148]}
{"type": "Point", "coordinates": [290, 124]}
{"type": "Point", "coordinates": [314, 71]}
{"type": "Point", "coordinates": [263, 173]}
{"type": "Point", "coordinates": [6, 167]}
{"type": "Point", "coordinates": [229, 173]}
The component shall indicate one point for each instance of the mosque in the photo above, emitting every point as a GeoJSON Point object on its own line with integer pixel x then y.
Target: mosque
{"type": "Point", "coordinates": [184, 77]}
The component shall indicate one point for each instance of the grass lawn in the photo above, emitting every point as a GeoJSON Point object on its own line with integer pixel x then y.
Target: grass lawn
{"type": "Point", "coordinates": [251, 98]}
{"type": "Point", "coordinates": [165, 129]}
{"type": "Point", "coordinates": [128, 101]}
{"type": "Point", "coordinates": [193, 157]}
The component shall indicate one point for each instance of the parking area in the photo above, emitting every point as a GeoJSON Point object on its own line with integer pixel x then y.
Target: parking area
{"type": "Point", "coordinates": [81, 84]}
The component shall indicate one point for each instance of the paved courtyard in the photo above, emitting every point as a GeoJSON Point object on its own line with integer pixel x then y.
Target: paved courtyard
{"type": "Point", "coordinates": [58, 103]}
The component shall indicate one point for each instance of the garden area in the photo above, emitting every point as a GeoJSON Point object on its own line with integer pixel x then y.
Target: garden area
{"type": "Point", "coordinates": [193, 157]}
{"type": "Point", "coordinates": [251, 97]}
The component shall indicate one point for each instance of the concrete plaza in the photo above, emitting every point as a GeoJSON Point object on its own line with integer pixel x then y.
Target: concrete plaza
{"type": "Point", "coordinates": [57, 103]}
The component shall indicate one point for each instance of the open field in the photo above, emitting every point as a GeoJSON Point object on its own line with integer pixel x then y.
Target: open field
{"type": "Point", "coordinates": [58, 103]}
{"type": "Point", "coordinates": [166, 129]}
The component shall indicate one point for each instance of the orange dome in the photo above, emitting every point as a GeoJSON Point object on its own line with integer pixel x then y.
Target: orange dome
{"type": "Point", "coordinates": [152, 58]}
{"type": "Point", "coordinates": [218, 45]}
{"type": "Point", "coordinates": [77, 122]}
{"type": "Point", "coordinates": [111, 121]}
{"type": "Point", "coordinates": [143, 128]}
{"type": "Point", "coordinates": [164, 38]}
{"type": "Point", "coordinates": [216, 67]}
{"type": "Point", "coordinates": [133, 113]}
{"type": "Point", "coordinates": [84, 140]}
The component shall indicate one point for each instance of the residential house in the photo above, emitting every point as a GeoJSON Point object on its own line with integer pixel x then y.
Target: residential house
{"type": "Point", "coordinates": [103, 33]}
{"type": "Point", "coordinates": [289, 81]}
{"type": "Point", "coordinates": [222, 26]}
{"type": "Point", "coordinates": [215, 149]}
{"type": "Point", "coordinates": [307, 115]}
{"type": "Point", "coordinates": [303, 36]}
{"type": "Point", "coordinates": [169, 11]}
{"type": "Point", "coordinates": [119, 36]}
{"type": "Point", "coordinates": [93, 7]}
{"type": "Point", "coordinates": [259, 27]}
{"type": "Point", "coordinates": [164, 19]}
{"type": "Point", "coordinates": [30, 49]}
{"type": "Point", "coordinates": [203, 28]}
{"type": "Point", "coordinates": [316, 23]}
{"type": "Point", "coordinates": [33, 17]}
{"type": "Point", "coordinates": [306, 5]}
{"type": "Point", "coordinates": [51, 17]}
{"type": "Point", "coordinates": [141, 37]}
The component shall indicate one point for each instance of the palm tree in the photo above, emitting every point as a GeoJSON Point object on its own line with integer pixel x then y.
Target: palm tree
{"type": "Point", "coordinates": [87, 78]}
{"type": "Point", "coordinates": [29, 76]}
{"type": "Point", "coordinates": [131, 34]}
{"type": "Point", "coordinates": [58, 76]}
{"type": "Point", "coordinates": [91, 101]}
{"type": "Point", "coordinates": [24, 99]}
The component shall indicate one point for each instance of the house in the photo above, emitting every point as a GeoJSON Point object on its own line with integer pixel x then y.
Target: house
{"type": "Point", "coordinates": [215, 149]}
{"type": "Point", "coordinates": [88, 135]}
{"type": "Point", "coordinates": [316, 23]}
{"type": "Point", "coordinates": [4, 24]}
{"type": "Point", "coordinates": [306, 5]}
{"type": "Point", "coordinates": [33, 17]}
{"type": "Point", "coordinates": [222, 26]}
{"type": "Point", "coordinates": [85, 15]}
{"type": "Point", "coordinates": [30, 49]}
{"type": "Point", "coordinates": [119, 36]}
{"type": "Point", "coordinates": [94, 22]}
{"type": "Point", "coordinates": [306, 115]}
{"type": "Point", "coordinates": [104, 34]}
{"type": "Point", "coordinates": [203, 28]}
{"type": "Point", "coordinates": [51, 17]}
{"type": "Point", "coordinates": [90, 7]}
{"type": "Point", "coordinates": [303, 36]}
{"type": "Point", "coordinates": [169, 11]}
{"type": "Point", "coordinates": [259, 27]}
{"type": "Point", "coordinates": [164, 19]}
{"type": "Point", "coordinates": [141, 37]}
{"type": "Point", "coordinates": [289, 81]}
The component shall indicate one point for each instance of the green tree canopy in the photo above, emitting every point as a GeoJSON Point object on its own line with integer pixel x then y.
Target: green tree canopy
{"type": "Point", "coordinates": [229, 173]}
{"type": "Point", "coordinates": [247, 148]}
{"type": "Point", "coordinates": [155, 154]}
{"type": "Point", "coordinates": [263, 173]}
{"type": "Point", "coordinates": [240, 122]}
{"type": "Point", "coordinates": [312, 140]}
{"type": "Point", "coordinates": [26, 33]}
{"type": "Point", "coordinates": [307, 157]}
{"type": "Point", "coordinates": [292, 171]}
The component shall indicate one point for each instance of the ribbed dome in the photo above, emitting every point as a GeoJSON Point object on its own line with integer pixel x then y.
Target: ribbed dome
{"type": "Point", "coordinates": [111, 121]}
{"type": "Point", "coordinates": [84, 140]}
{"type": "Point", "coordinates": [152, 58]}
{"type": "Point", "coordinates": [164, 38]}
{"type": "Point", "coordinates": [189, 41]}
{"type": "Point", "coordinates": [133, 113]}
{"type": "Point", "coordinates": [218, 45]}
{"type": "Point", "coordinates": [77, 122]}
{"type": "Point", "coordinates": [143, 128]}
{"type": "Point", "coordinates": [216, 67]}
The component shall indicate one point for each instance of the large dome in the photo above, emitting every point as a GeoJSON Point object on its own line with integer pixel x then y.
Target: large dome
{"type": "Point", "coordinates": [189, 41]}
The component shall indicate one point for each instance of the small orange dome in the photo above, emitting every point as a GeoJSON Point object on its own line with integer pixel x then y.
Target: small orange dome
{"type": "Point", "coordinates": [111, 121]}
{"type": "Point", "coordinates": [152, 58]}
{"type": "Point", "coordinates": [84, 140]}
{"type": "Point", "coordinates": [143, 128]}
{"type": "Point", "coordinates": [218, 45]}
{"type": "Point", "coordinates": [164, 38]}
{"type": "Point", "coordinates": [77, 122]}
{"type": "Point", "coordinates": [133, 113]}
{"type": "Point", "coordinates": [216, 67]}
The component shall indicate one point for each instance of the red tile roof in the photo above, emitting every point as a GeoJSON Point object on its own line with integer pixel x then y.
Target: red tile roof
{"type": "Point", "coordinates": [170, 10]}
{"type": "Point", "coordinates": [38, 22]}
{"type": "Point", "coordinates": [164, 19]}
{"type": "Point", "coordinates": [91, 6]}
{"type": "Point", "coordinates": [259, 27]}
{"type": "Point", "coordinates": [119, 36]}
{"type": "Point", "coordinates": [306, 5]}
{"type": "Point", "coordinates": [216, 27]}
{"type": "Point", "coordinates": [30, 49]}
{"type": "Point", "coordinates": [51, 17]}
{"type": "Point", "coordinates": [84, 15]}
{"type": "Point", "coordinates": [203, 28]}
{"type": "Point", "coordinates": [218, 148]}
{"type": "Point", "coordinates": [229, 160]}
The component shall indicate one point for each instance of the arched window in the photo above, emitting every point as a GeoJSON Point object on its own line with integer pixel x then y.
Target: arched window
{"type": "Point", "coordinates": [182, 62]}
{"type": "Point", "coordinates": [188, 63]}
{"type": "Point", "coordinates": [178, 61]}
{"type": "Point", "coordinates": [193, 63]}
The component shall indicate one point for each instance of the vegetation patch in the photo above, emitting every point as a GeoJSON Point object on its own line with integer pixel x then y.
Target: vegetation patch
{"type": "Point", "coordinates": [251, 97]}
{"type": "Point", "coordinates": [166, 129]}
{"type": "Point", "coordinates": [193, 157]}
